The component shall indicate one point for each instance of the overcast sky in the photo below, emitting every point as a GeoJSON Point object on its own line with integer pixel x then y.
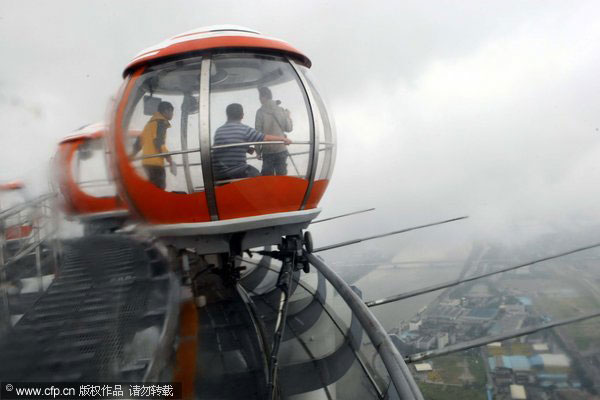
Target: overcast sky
{"type": "Point", "coordinates": [443, 108]}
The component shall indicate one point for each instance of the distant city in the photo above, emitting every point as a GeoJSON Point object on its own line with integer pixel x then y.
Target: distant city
{"type": "Point", "coordinates": [553, 364]}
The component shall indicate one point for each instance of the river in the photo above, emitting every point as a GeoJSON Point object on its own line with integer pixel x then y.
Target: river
{"type": "Point", "coordinates": [386, 281]}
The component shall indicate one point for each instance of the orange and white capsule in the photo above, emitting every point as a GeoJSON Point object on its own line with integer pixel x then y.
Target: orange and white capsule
{"type": "Point", "coordinates": [88, 191]}
{"type": "Point", "coordinates": [184, 183]}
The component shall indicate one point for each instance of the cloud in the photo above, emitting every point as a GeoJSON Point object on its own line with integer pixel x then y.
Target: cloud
{"type": "Point", "coordinates": [506, 134]}
{"type": "Point", "coordinates": [482, 108]}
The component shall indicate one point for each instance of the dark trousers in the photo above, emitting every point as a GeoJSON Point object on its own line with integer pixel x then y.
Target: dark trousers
{"type": "Point", "coordinates": [243, 171]}
{"type": "Point", "coordinates": [156, 175]}
{"type": "Point", "coordinates": [274, 163]}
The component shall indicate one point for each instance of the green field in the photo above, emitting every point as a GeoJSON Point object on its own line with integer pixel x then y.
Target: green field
{"type": "Point", "coordinates": [449, 368]}
{"type": "Point", "coordinates": [511, 349]}
{"type": "Point", "coordinates": [584, 334]}
{"type": "Point", "coordinates": [478, 370]}
{"type": "Point", "coordinates": [465, 368]}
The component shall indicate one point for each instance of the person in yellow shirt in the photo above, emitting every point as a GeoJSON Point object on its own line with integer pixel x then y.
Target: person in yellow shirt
{"type": "Point", "coordinates": [152, 141]}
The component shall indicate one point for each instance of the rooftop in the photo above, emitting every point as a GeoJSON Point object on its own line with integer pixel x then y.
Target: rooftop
{"type": "Point", "coordinates": [516, 363]}
{"type": "Point", "coordinates": [517, 392]}
{"type": "Point", "coordinates": [550, 360]}
{"type": "Point", "coordinates": [540, 347]}
{"type": "Point", "coordinates": [423, 367]}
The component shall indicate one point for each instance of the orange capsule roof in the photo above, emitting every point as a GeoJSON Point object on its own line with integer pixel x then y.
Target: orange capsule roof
{"type": "Point", "coordinates": [92, 131]}
{"type": "Point", "coordinates": [13, 185]}
{"type": "Point", "coordinates": [207, 38]}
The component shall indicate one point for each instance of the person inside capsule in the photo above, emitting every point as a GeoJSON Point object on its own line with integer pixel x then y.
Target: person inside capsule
{"type": "Point", "coordinates": [230, 162]}
{"type": "Point", "coordinates": [152, 141]}
{"type": "Point", "coordinates": [271, 117]}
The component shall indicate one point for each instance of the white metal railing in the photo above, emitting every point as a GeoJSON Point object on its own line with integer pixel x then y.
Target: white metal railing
{"type": "Point", "coordinates": [222, 146]}
{"type": "Point", "coordinates": [323, 146]}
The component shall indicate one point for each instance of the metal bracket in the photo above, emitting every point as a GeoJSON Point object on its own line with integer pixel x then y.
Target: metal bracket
{"type": "Point", "coordinates": [292, 253]}
{"type": "Point", "coordinates": [297, 245]}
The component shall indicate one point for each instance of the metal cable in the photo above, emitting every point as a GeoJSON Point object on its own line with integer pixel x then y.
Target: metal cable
{"type": "Point", "coordinates": [448, 284]}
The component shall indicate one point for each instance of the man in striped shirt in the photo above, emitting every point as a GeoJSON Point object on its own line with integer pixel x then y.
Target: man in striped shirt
{"type": "Point", "coordinates": [230, 162]}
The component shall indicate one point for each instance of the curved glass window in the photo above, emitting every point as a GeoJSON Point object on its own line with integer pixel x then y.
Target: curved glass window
{"type": "Point", "coordinates": [89, 169]}
{"type": "Point", "coordinates": [324, 129]}
{"type": "Point", "coordinates": [266, 101]}
{"type": "Point", "coordinates": [163, 108]}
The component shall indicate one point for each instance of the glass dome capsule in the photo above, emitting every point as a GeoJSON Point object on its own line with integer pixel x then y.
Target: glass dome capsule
{"type": "Point", "coordinates": [267, 162]}
{"type": "Point", "coordinates": [88, 192]}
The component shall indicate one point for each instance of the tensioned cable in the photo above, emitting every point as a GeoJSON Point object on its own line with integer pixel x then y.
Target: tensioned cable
{"type": "Point", "coordinates": [342, 215]}
{"type": "Point", "coordinates": [354, 241]}
{"type": "Point", "coordinates": [448, 284]}
{"type": "Point", "coordinates": [496, 338]}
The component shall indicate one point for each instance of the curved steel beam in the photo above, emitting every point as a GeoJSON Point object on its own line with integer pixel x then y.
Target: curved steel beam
{"type": "Point", "coordinates": [392, 359]}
